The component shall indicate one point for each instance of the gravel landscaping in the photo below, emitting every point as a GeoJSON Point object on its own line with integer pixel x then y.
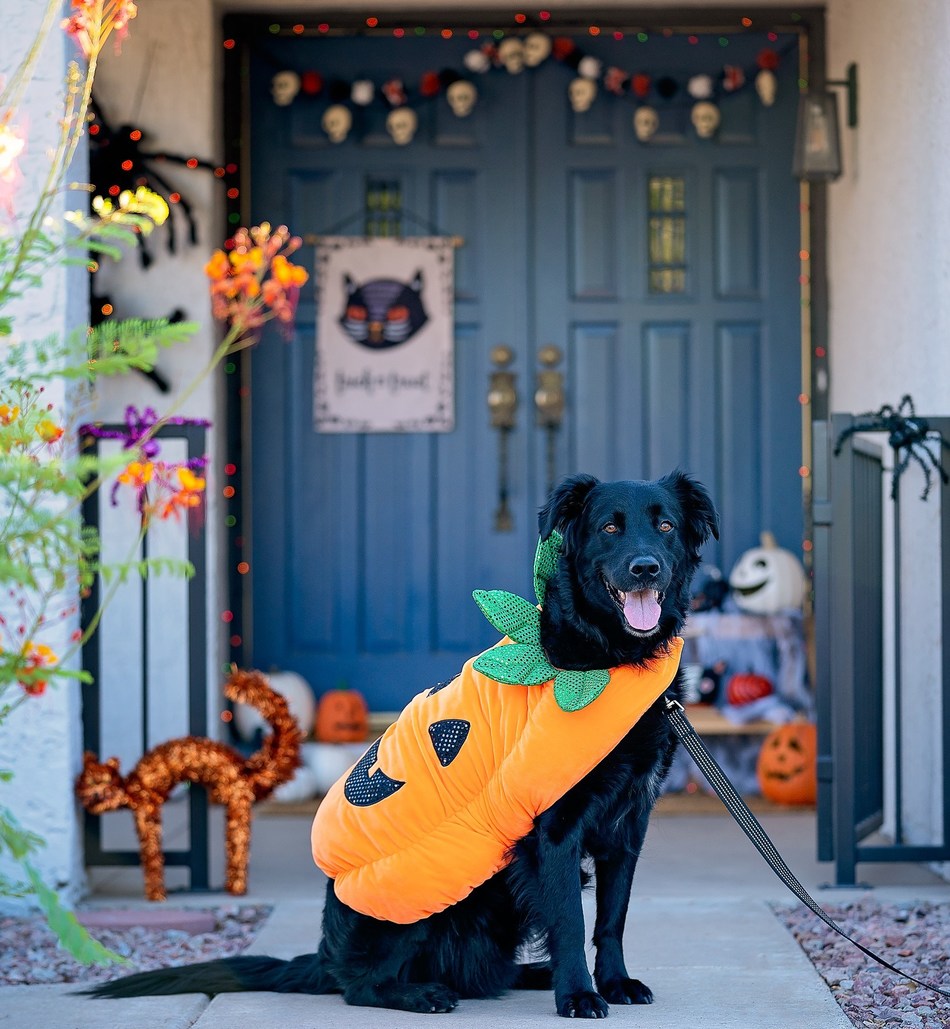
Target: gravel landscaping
{"type": "Point", "coordinates": [912, 937]}
{"type": "Point", "coordinates": [31, 953]}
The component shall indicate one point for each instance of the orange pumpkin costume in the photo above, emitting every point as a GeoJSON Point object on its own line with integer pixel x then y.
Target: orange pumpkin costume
{"type": "Point", "coordinates": [434, 807]}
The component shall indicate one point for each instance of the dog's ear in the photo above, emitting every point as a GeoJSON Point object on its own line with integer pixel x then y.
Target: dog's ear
{"type": "Point", "coordinates": [565, 503]}
{"type": "Point", "coordinates": [701, 519]}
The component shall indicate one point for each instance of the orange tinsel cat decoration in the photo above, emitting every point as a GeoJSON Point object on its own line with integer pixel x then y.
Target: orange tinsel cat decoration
{"type": "Point", "coordinates": [230, 779]}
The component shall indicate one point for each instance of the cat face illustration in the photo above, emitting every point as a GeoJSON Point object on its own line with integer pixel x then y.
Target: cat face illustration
{"type": "Point", "coordinates": [383, 312]}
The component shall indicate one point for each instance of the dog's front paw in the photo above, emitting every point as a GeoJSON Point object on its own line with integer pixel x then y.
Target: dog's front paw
{"type": "Point", "coordinates": [583, 1004]}
{"type": "Point", "coordinates": [626, 991]}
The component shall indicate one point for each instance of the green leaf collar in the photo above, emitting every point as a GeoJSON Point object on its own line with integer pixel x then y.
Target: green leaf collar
{"type": "Point", "coordinates": [523, 662]}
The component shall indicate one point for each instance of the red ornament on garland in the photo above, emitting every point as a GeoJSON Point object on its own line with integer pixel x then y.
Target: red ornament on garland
{"type": "Point", "coordinates": [616, 80]}
{"type": "Point", "coordinates": [562, 48]}
{"type": "Point", "coordinates": [767, 59]}
{"type": "Point", "coordinates": [430, 84]}
{"type": "Point", "coordinates": [311, 82]}
{"type": "Point", "coordinates": [394, 92]}
{"type": "Point", "coordinates": [641, 86]}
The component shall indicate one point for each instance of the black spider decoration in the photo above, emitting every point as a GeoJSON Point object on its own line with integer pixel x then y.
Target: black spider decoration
{"type": "Point", "coordinates": [905, 432]}
{"type": "Point", "coordinates": [117, 162]}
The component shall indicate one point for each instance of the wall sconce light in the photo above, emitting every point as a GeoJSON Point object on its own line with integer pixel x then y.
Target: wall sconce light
{"type": "Point", "coordinates": [817, 139]}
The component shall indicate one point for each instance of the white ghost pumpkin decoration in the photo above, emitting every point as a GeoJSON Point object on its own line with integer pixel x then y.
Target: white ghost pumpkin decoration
{"type": "Point", "coordinates": [300, 700]}
{"type": "Point", "coordinates": [767, 579]}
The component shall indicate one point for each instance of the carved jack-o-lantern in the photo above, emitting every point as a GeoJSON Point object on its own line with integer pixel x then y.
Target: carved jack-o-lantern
{"type": "Point", "coordinates": [767, 579]}
{"type": "Point", "coordinates": [787, 764]}
{"type": "Point", "coordinates": [341, 717]}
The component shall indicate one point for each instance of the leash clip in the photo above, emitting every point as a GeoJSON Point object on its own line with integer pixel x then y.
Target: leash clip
{"type": "Point", "coordinates": [674, 705]}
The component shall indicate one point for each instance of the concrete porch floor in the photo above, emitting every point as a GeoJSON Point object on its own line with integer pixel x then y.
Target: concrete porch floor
{"type": "Point", "coordinates": [700, 932]}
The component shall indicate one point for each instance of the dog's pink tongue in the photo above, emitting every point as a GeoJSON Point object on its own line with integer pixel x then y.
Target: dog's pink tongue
{"type": "Point", "coordinates": [642, 610]}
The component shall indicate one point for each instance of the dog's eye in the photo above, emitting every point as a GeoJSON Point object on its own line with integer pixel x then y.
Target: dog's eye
{"type": "Point", "coordinates": [611, 528]}
{"type": "Point", "coordinates": [666, 526]}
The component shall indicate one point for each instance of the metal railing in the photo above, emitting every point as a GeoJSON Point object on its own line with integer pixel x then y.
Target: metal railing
{"type": "Point", "coordinates": [195, 856]}
{"type": "Point", "coordinates": [849, 498]}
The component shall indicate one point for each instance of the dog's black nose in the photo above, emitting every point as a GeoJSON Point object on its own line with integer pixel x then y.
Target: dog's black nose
{"type": "Point", "coordinates": [644, 566]}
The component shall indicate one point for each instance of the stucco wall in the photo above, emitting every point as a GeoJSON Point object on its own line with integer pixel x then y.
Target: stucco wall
{"type": "Point", "coordinates": [41, 741]}
{"type": "Point", "coordinates": [889, 239]}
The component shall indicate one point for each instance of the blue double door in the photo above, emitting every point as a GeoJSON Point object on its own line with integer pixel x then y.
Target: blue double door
{"type": "Point", "coordinates": [665, 272]}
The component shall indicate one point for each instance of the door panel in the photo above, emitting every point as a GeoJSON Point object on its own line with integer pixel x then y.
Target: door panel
{"type": "Point", "coordinates": [666, 273]}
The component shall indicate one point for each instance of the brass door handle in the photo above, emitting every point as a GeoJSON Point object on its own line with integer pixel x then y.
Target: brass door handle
{"type": "Point", "coordinates": [549, 395]}
{"type": "Point", "coordinates": [502, 409]}
{"type": "Point", "coordinates": [549, 404]}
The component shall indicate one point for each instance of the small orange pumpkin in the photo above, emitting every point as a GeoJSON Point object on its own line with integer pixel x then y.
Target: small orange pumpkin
{"type": "Point", "coordinates": [787, 764]}
{"type": "Point", "coordinates": [341, 717]}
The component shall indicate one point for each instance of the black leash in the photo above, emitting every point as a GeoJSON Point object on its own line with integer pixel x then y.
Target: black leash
{"type": "Point", "coordinates": [751, 826]}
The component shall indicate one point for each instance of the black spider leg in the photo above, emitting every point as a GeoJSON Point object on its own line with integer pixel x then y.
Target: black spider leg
{"type": "Point", "coordinates": [935, 463]}
{"type": "Point", "coordinates": [876, 425]}
{"type": "Point", "coordinates": [900, 466]}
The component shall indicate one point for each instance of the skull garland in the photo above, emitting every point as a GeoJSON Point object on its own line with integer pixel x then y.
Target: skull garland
{"type": "Point", "coordinates": [645, 123]}
{"type": "Point", "coordinates": [401, 125]}
{"type": "Point", "coordinates": [284, 86]}
{"type": "Point", "coordinates": [461, 96]}
{"type": "Point", "coordinates": [705, 117]}
{"type": "Point", "coordinates": [537, 48]}
{"type": "Point", "coordinates": [511, 55]}
{"type": "Point", "coordinates": [337, 122]}
{"type": "Point", "coordinates": [582, 93]}
{"type": "Point", "coordinates": [766, 85]}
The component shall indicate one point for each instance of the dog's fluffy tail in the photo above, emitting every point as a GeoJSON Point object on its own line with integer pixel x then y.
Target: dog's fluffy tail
{"type": "Point", "coordinates": [302, 974]}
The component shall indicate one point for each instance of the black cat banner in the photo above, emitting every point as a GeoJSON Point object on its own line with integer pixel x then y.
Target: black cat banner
{"type": "Point", "coordinates": [385, 335]}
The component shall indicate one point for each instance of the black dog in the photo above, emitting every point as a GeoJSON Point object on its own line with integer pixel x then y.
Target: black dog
{"type": "Point", "coordinates": [618, 596]}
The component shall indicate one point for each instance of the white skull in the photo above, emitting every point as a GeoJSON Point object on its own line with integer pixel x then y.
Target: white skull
{"type": "Point", "coordinates": [511, 54]}
{"type": "Point", "coordinates": [284, 86]}
{"type": "Point", "coordinates": [766, 85]}
{"type": "Point", "coordinates": [645, 122]}
{"type": "Point", "coordinates": [581, 93]}
{"type": "Point", "coordinates": [337, 122]}
{"type": "Point", "coordinates": [705, 118]}
{"type": "Point", "coordinates": [537, 48]}
{"type": "Point", "coordinates": [461, 96]}
{"type": "Point", "coordinates": [362, 92]}
{"type": "Point", "coordinates": [700, 87]}
{"type": "Point", "coordinates": [401, 125]}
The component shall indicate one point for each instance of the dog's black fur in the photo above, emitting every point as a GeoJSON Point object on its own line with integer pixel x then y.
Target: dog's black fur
{"type": "Point", "coordinates": [619, 537]}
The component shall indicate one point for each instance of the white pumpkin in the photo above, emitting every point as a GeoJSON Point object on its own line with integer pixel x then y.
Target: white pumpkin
{"type": "Point", "coordinates": [300, 699]}
{"type": "Point", "coordinates": [767, 579]}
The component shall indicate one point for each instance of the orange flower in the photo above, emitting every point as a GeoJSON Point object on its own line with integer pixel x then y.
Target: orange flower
{"type": "Point", "coordinates": [49, 431]}
{"type": "Point", "coordinates": [287, 274]}
{"type": "Point", "coordinates": [219, 267]}
{"type": "Point", "coordinates": [93, 21]}
{"type": "Point", "coordinates": [8, 414]}
{"type": "Point", "coordinates": [191, 487]}
{"type": "Point", "coordinates": [137, 474]}
{"type": "Point", "coordinates": [36, 655]}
